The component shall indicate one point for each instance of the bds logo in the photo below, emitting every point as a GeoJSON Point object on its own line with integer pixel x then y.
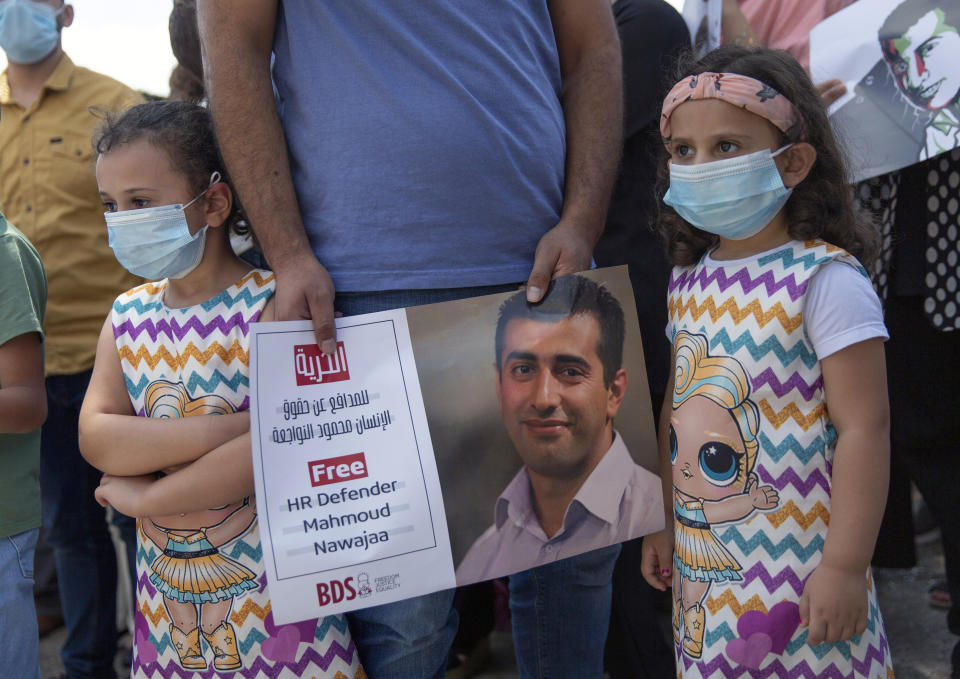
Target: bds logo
{"type": "Point", "coordinates": [313, 367]}
{"type": "Point", "coordinates": [334, 592]}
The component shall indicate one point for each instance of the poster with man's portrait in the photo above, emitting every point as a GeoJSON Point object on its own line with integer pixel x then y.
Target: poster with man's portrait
{"type": "Point", "coordinates": [541, 422]}
{"type": "Point", "coordinates": [900, 60]}
{"type": "Point", "coordinates": [450, 443]}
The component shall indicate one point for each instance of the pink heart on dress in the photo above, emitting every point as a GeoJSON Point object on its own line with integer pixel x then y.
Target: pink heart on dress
{"type": "Point", "coordinates": [779, 624]}
{"type": "Point", "coordinates": [283, 647]}
{"type": "Point", "coordinates": [750, 652]}
{"type": "Point", "coordinates": [146, 651]}
{"type": "Point", "coordinates": [307, 628]}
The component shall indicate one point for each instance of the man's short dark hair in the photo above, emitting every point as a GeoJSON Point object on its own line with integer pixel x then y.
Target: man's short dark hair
{"type": "Point", "coordinates": [571, 296]}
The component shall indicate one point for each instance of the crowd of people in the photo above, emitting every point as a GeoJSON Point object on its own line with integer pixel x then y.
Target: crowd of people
{"type": "Point", "coordinates": [321, 159]}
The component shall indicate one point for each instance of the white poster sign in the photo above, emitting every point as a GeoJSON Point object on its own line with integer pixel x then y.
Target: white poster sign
{"type": "Point", "coordinates": [346, 481]}
{"type": "Point", "coordinates": [703, 22]}
{"type": "Point", "coordinates": [384, 471]}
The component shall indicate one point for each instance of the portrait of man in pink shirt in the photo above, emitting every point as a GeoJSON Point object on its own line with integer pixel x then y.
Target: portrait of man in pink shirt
{"type": "Point", "coordinates": [560, 384]}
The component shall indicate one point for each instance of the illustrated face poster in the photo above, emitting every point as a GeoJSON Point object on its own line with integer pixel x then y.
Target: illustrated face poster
{"type": "Point", "coordinates": [900, 60]}
{"type": "Point", "coordinates": [450, 443]}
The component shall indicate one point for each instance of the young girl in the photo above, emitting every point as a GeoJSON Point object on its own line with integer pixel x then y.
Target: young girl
{"type": "Point", "coordinates": [170, 351]}
{"type": "Point", "coordinates": [776, 438]}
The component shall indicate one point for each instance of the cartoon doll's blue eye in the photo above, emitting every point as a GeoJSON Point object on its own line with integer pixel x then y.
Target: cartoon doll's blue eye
{"type": "Point", "coordinates": [673, 445]}
{"type": "Point", "coordinates": [719, 463]}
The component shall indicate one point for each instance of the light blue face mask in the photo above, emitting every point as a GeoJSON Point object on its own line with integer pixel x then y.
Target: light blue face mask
{"type": "Point", "coordinates": [155, 242]}
{"type": "Point", "coordinates": [28, 30]}
{"type": "Point", "coordinates": [732, 198]}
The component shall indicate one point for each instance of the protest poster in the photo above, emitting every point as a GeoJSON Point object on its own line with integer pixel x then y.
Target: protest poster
{"type": "Point", "coordinates": [343, 468]}
{"type": "Point", "coordinates": [900, 61]}
{"type": "Point", "coordinates": [382, 472]}
{"type": "Point", "coordinates": [703, 19]}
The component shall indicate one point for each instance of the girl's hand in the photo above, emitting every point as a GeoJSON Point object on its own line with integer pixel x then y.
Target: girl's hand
{"type": "Point", "coordinates": [657, 559]}
{"type": "Point", "coordinates": [834, 605]}
{"type": "Point", "coordinates": [762, 497]}
{"type": "Point", "coordinates": [124, 493]}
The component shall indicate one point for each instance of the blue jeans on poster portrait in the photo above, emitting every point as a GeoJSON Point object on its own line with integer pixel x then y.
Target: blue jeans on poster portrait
{"type": "Point", "coordinates": [75, 526]}
{"type": "Point", "coordinates": [408, 638]}
{"type": "Point", "coordinates": [19, 644]}
{"type": "Point", "coordinates": [560, 614]}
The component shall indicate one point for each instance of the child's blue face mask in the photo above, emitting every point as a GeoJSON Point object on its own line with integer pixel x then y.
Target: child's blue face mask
{"type": "Point", "coordinates": [733, 198]}
{"type": "Point", "coordinates": [155, 242]}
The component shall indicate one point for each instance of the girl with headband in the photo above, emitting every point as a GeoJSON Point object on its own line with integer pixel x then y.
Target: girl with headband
{"type": "Point", "coordinates": [776, 437]}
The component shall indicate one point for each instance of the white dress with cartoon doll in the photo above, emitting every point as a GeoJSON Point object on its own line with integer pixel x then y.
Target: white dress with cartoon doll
{"type": "Point", "coordinates": [202, 605]}
{"type": "Point", "coordinates": [751, 447]}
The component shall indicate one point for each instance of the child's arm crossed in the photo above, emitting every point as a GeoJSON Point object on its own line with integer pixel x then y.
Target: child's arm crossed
{"type": "Point", "coordinates": [114, 440]}
{"type": "Point", "coordinates": [222, 476]}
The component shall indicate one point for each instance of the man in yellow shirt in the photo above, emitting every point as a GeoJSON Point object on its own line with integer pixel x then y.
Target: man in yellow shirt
{"type": "Point", "coordinates": [47, 188]}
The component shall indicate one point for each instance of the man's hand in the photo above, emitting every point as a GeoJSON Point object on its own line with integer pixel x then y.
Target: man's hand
{"type": "Point", "coordinates": [834, 605]}
{"type": "Point", "coordinates": [657, 559]}
{"type": "Point", "coordinates": [564, 249]}
{"type": "Point", "coordinates": [831, 90]}
{"type": "Point", "coordinates": [592, 99]}
{"type": "Point", "coordinates": [124, 493]}
{"type": "Point", "coordinates": [305, 291]}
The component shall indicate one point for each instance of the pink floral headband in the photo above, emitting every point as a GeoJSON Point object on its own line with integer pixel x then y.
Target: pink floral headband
{"type": "Point", "coordinates": [735, 89]}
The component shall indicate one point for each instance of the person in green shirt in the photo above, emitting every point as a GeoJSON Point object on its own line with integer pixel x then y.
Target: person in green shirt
{"type": "Point", "coordinates": [23, 408]}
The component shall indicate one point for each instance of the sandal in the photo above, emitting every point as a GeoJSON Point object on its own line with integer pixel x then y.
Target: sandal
{"type": "Point", "coordinates": [940, 595]}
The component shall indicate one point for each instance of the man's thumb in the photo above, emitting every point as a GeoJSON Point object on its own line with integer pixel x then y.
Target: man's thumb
{"type": "Point", "coordinates": [543, 265]}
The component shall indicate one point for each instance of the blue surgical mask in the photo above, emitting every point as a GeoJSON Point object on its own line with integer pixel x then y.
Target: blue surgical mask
{"type": "Point", "coordinates": [28, 30]}
{"type": "Point", "coordinates": [155, 242]}
{"type": "Point", "coordinates": [732, 198]}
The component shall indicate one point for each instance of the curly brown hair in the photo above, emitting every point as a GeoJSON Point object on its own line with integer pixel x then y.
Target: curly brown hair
{"type": "Point", "coordinates": [822, 205]}
{"type": "Point", "coordinates": [184, 132]}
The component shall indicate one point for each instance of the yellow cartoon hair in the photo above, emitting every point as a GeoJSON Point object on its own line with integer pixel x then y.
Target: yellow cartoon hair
{"type": "Point", "coordinates": [170, 399]}
{"type": "Point", "coordinates": [722, 380]}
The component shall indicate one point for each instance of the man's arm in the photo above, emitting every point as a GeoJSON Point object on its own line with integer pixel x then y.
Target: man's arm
{"type": "Point", "coordinates": [592, 100]}
{"type": "Point", "coordinates": [736, 30]}
{"type": "Point", "coordinates": [237, 38]}
{"type": "Point", "coordinates": [734, 26]}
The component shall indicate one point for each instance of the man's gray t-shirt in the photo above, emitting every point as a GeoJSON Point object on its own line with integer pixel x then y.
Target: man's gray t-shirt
{"type": "Point", "coordinates": [426, 137]}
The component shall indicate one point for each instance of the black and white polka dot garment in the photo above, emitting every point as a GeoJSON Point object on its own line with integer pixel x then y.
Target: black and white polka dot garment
{"type": "Point", "coordinates": [878, 196]}
{"type": "Point", "coordinates": [941, 301]}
